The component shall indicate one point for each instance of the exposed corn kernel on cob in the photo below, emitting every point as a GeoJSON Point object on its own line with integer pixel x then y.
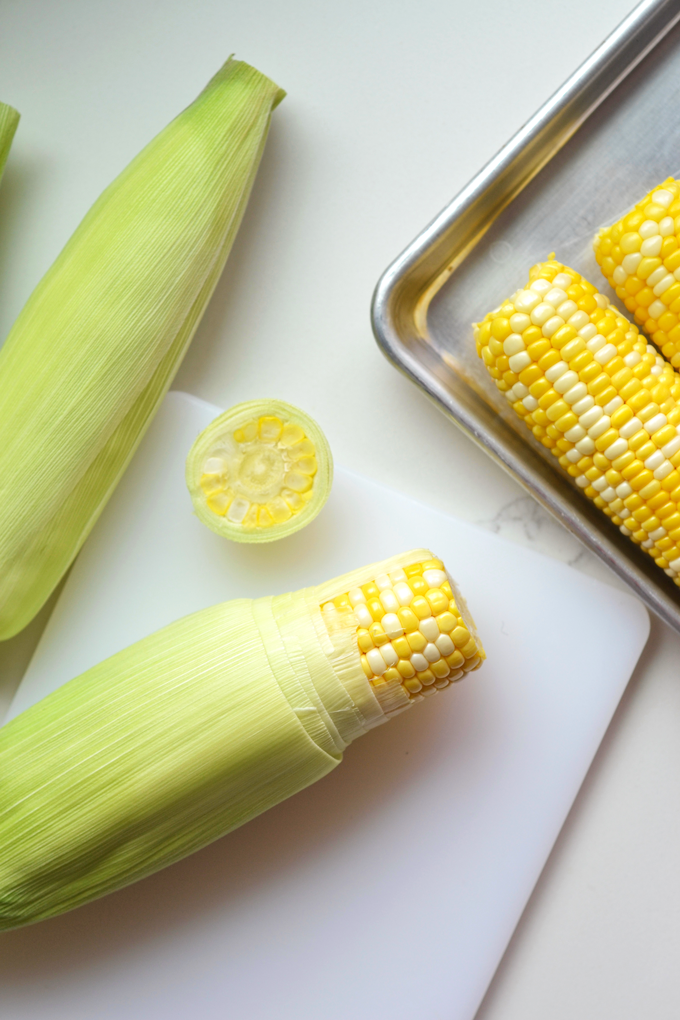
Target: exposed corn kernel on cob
{"type": "Point", "coordinates": [640, 257]}
{"type": "Point", "coordinates": [598, 396]}
{"type": "Point", "coordinates": [196, 729]}
{"type": "Point", "coordinates": [260, 471]}
{"type": "Point", "coordinates": [91, 355]}
{"type": "Point", "coordinates": [413, 630]}
{"type": "Point", "coordinates": [9, 120]}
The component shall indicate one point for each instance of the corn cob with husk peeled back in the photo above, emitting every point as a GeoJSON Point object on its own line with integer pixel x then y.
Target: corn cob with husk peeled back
{"type": "Point", "coordinates": [196, 729]}
{"type": "Point", "coordinates": [96, 346]}
{"type": "Point", "coordinates": [598, 396]}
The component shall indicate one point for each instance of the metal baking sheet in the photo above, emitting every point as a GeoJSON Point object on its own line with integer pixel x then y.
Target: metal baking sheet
{"type": "Point", "coordinates": [604, 139]}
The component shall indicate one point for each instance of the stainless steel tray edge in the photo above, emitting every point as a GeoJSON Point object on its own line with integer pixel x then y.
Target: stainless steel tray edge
{"type": "Point", "coordinates": [405, 290]}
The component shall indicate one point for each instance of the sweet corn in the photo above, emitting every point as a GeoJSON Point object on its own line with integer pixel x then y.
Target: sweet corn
{"type": "Point", "coordinates": [96, 346]}
{"type": "Point", "coordinates": [640, 257]}
{"type": "Point", "coordinates": [198, 728]}
{"type": "Point", "coordinates": [260, 471]}
{"type": "Point", "coordinates": [598, 396]}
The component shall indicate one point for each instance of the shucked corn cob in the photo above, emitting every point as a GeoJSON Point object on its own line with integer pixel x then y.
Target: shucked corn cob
{"type": "Point", "coordinates": [98, 342]}
{"type": "Point", "coordinates": [198, 728]}
{"type": "Point", "coordinates": [640, 257]}
{"type": "Point", "coordinates": [260, 471]}
{"type": "Point", "coordinates": [598, 396]}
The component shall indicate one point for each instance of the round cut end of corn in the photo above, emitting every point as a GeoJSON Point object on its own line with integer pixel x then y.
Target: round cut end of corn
{"type": "Point", "coordinates": [415, 634]}
{"type": "Point", "coordinates": [260, 471]}
{"type": "Point", "coordinates": [640, 257]}
{"type": "Point", "coordinates": [598, 396]}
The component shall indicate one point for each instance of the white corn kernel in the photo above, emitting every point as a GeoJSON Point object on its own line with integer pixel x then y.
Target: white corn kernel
{"type": "Point", "coordinates": [655, 423]}
{"type": "Point", "coordinates": [663, 471]}
{"type": "Point", "coordinates": [363, 615]}
{"type": "Point", "coordinates": [434, 577]}
{"type": "Point", "coordinates": [555, 297]}
{"type": "Point", "coordinates": [431, 652]}
{"type": "Point", "coordinates": [576, 393]}
{"type": "Point", "coordinates": [631, 262]}
{"type": "Point", "coordinates": [650, 228]}
{"type": "Point", "coordinates": [376, 661]}
{"type": "Point", "coordinates": [590, 417]}
{"type": "Point", "coordinates": [356, 597]}
{"type": "Point", "coordinates": [671, 447]}
{"type": "Point", "coordinates": [616, 449]}
{"type": "Point", "coordinates": [429, 628]}
{"type": "Point", "coordinates": [404, 594]}
{"type": "Point", "coordinates": [605, 354]}
{"type": "Point", "coordinates": [518, 362]}
{"type": "Point", "coordinates": [628, 430]}
{"type": "Point", "coordinates": [513, 345]}
{"type": "Point", "coordinates": [566, 381]}
{"type": "Point", "coordinates": [389, 655]}
{"type": "Point", "coordinates": [388, 600]}
{"type": "Point", "coordinates": [652, 246]}
{"type": "Point", "coordinates": [557, 370]}
{"type": "Point", "coordinates": [391, 624]}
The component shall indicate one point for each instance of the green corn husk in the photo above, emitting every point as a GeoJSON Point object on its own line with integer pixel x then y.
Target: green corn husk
{"type": "Point", "coordinates": [181, 738]}
{"type": "Point", "coordinates": [91, 355]}
{"type": "Point", "coordinates": [9, 120]}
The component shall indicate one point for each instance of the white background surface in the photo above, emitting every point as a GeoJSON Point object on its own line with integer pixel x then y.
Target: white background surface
{"type": "Point", "coordinates": [391, 109]}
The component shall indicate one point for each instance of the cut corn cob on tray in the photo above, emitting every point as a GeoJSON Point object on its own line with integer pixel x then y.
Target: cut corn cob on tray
{"type": "Point", "coordinates": [595, 160]}
{"type": "Point", "coordinates": [399, 844]}
{"type": "Point", "coordinates": [598, 396]}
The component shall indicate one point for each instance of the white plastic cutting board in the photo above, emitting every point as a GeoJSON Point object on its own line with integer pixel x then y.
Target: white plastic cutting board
{"type": "Point", "coordinates": [391, 888]}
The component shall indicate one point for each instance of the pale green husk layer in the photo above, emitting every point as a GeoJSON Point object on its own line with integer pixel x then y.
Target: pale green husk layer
{"type": "Point", "coordinates": [175, 741]}
{"type": "Point", "coordinates": [99, 340]}
{"type": "Point", "coordinates": [9, 120]}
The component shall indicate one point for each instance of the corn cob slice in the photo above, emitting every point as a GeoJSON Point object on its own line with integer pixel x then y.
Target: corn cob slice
{"type": "Point", "coordinates": [640, 257]}
{"type": "Point", "coordinates": [198, 728]}
{"type": "Point", "coordinates": [9, 120]}
{"type": "Point", "coordinates": [598, 396]}
{"type": "Point", "coordinates": [260, 471]}
{"type": "Point", "coordinates": [97, 344]}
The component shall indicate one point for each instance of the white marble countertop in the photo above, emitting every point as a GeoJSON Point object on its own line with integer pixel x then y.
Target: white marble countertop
{"type": "Point", "coordinates": [391, 109]}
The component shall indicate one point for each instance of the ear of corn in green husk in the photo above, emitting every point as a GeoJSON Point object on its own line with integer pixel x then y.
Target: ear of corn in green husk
{"type": "Point", "coordinates": [9, 120]}
{"type": "Point", "coordinates": [198, 728]}
{"type": "Point", "coordinates": [598, 396]}
{"type": "Point", "coordinates": [260, 471]}
{"type": "Point", "coordinates": [98, 342]}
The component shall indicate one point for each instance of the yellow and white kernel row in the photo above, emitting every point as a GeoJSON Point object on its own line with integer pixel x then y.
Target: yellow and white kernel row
{"type": "Point", "coordinates": [640, 257]}
{"type": "Point", "coordinates": [598, 396]}
{"type": "Point", "coordinates": [410, 629]}
{"type": "Point", "coordinates": [265, 458]}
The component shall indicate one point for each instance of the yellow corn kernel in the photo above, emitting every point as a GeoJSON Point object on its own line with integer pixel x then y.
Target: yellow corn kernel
{"type": "Point", "coordinates": [421, 607]}
{"type": "Point", "coordinates": [408, 619]}
{"type": "Point", "coordinates": [378, 635]}
{"type": "Point", "coordinates": [416, 641]}
{"type": "Point", "coordinates": [446, 621]}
